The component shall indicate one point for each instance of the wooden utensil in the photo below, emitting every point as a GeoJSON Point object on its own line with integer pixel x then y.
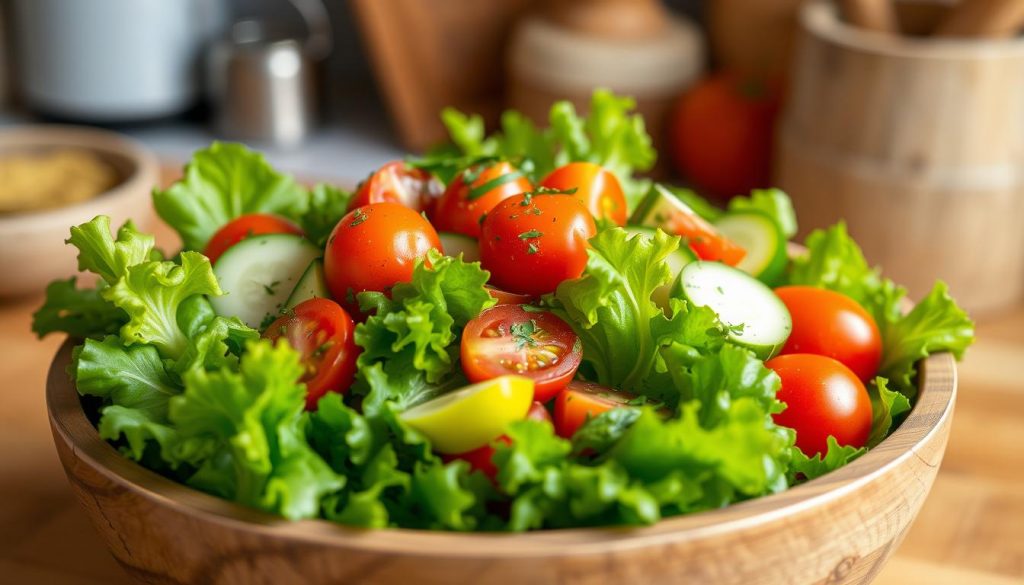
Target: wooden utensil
{"type": "Point", "coordinates": [876, 15]}
{"type": "Point", "coordinates": [837, 529]}
{"type": "Point", "coordinates": [918, 146]}
{"type": "Point", "coordinates": [984, 18]}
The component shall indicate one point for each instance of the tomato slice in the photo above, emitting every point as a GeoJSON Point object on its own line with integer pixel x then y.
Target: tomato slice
{"type": "Point", "coordinates": [246, 226]}
{"type": "Point", "coordinates": [507, 339]}
{"type": "Point", "coordinates": [581, 401]}
{"type": "Point", "coordinates": [321, 331]}
{"type": "Point", "coordinates": [482, 459]}
{"type": "Point", "coordinates": [509, 298]}
{"type": "Point", "coordinates": [398, 182]}
{"type": "Point", "coordinates": [704, 239]}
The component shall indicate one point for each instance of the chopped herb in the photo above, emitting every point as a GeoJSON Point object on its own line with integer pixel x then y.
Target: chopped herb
{"type": "Point", "coordinates": [481, 190]}
{"type": "Point", "coordinates": [532, 248]}
{"type": "Point", "coordinates": [480, 221]}
{"type": "Point", "coordinates": [719, 289]}
{"type": "Point", "coordinates": [269, 288]}
{"type": "Point", "coordinates": [527, 199]}
{"type": "Point", "coordinates": [532, 309]}
{"type": "Point", "coordinates": [523, 333]}
{"type": "Point", "coordinates": [530, 235]}
{"type": "Point", "coordinates": [359, 217]}
{"type": "Point", "coordinates": [535, 211]}
{"type": "Point", "coordinates": [322, 349]}
{"type": "Point", "coordinates": [267, 321]}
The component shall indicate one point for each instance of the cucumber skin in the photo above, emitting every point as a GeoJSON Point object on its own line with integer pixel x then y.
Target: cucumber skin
{"type": "Point", "coordinates": [298, 295]}
{"type": "Point", "coordinates": [776, 267]}
{"type": "Point", "coordinates": [469, 247]}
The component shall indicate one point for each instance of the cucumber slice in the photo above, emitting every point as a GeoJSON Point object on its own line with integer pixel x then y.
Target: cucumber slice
{"type": "Point", "coordinates": [312, 284]}
{"type": "Point", "coordinates": [258, 274]}
{"type": "Point", "coordinates": [757, 318]}
{"type": "Point", "coordinates": [455, 244]}
{"type": "Point", "coordinates": [763, 240]}
{"type": "Point", "coordinates": [657, 208]}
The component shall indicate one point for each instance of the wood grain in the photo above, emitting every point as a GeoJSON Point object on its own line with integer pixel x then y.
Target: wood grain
{"type": "Point", "coordinates": [983, 19]}
{"type": "Point", "coordinates": [918, 145]}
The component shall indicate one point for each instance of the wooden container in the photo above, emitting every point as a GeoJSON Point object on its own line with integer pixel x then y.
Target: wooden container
{"type": "Point", "coordinates": [919, 145]}
{"type": "Point", "coordinates": [575, 46]}
{"type": "Point", "coordinates": [837, 529]}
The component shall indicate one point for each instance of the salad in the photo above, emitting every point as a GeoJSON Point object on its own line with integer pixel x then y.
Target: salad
{"type": "Point", "coordinates": [514, 332]}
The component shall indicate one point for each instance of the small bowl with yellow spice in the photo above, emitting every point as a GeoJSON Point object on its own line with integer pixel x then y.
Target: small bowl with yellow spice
{"type": "Point", "coordinates": [55, 176]}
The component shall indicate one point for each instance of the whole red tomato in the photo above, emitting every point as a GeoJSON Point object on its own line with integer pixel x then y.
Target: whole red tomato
{"type": "Point", "coordinates": [823, 397]}
{"type": "Point", "coordinates": [722, 133]}
{"type": "Point", "coordinates": [531, 243]}
{"type": "Point", "coordinates": [373, 248]}
{"type": "Point", "coordinates": [596, 187]}
{"type": "Point", "coordinates": [834, 325]}
{"type": "Point", "coordinates": [474, 193]}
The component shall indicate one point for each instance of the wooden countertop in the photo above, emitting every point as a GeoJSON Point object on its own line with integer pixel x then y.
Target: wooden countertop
{"type": "Point", "coordinates": [971, 529]}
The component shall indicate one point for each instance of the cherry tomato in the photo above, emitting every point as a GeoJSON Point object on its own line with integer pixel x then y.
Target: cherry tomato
{"type": "Point", "coordinates": [531, 243]}
{"type": "Point", "coordinates": [321, 331]}
{"type": "Point", "coordinates": [596, 187]}
{"type": "Point", "coordinates": [482, 459]}
{"type": "Point", "coordinates": [722, 133]}
{"type": "Point", "coordinates": [832, 324]}
{"type": "Point", "coordinates": [507, 298]}
{"type": "Point", "coordinates": [373, 248]}
{"type": "Point", "coordinates": [823, 398]}
{"type": "Point", "coordinates": [397, 182]}
{"type": "Point", "coordinates": [705, 241]}
{"type": "Point", "coordinates": [474, 193]}
{"type": "Point", "coordinates": [581, 401]}
{"type": "Point", "coordinates": [507, 339]}
{"type": "Point", "coordinates": [246, 226]}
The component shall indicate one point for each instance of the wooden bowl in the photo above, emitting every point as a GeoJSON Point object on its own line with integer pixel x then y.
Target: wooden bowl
{"type": "Point", "coordinates": [32, 250]}
{"type": "Point", "coordinates": [837, 529]}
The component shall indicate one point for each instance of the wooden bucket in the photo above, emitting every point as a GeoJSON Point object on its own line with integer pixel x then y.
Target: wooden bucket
{"type": "Point", "coordinates": [919, 145]}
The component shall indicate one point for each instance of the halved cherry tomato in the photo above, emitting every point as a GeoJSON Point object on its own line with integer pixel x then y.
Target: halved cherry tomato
{"type": "Point", "coordinates": [823, 398]}
{"type": "Point", "coordinates": [482, 459]}
{"type": "Point", "coordinates": [246, 226]}
{"type": "Point", "coordinates": [596, 187]}
{"type": "Point", "coordinates": [507, 339]}
{"type": "Point", "coordinates": [531, 243]}
{"type": "Point", "coordinates": [321, 331]}
{"type": "Point", "coordinates": [373, 248]}
{"type": "Point", "coordinates": [398, 182]}
{"type": "Point", "coordinates": [474, 193]}
{"type": "Point", "coordinates": [705, 241]}
{"type": "Point", "coordinates": [506, 298]}
{"type": "Point", "coordinates": [832, 324]}
{"type": "Point", "coordinates": [581, 401]}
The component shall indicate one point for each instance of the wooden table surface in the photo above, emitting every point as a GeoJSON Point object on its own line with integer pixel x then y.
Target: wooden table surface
{"type": "Point", "coordinates": [971, 530]}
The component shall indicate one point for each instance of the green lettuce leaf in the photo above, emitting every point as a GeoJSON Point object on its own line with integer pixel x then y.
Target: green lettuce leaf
{"type": "Point", "coordinates": [79, 312]}
{"type": "Point", "coordinates": [935, 324]}
{"type": "Point", "coordinates": [151, 294]}
{"type": "Point", "coordinates": [610, 135]}
{"type": "Point", "coordinates": [412, 335]}
{"type": "Point", "coordinates": [136, 387]}
{"type": "Point", "coordinates": [807, 468]}
{"type": "Point", "coordinates": [251, 423]}
{"type": "Point", "coordinates": [221, 183]}
{"type": "Point", "coordinates": [887, 406]}
{"type": "Point", "coordinates": [102, 254]}
{"type": "Point", "coordinates": [327, 205]}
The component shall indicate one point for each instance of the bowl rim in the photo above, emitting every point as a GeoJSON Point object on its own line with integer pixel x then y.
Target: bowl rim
{"type": "Point", "coordinates": [935, 402]}
{"type": "Point", "coordinates": [143, 172]}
